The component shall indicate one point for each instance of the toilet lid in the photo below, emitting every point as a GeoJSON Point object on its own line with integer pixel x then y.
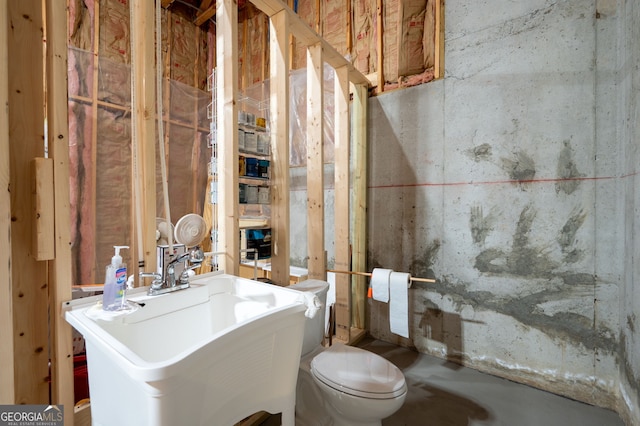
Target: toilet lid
{"type": "Point", "coordinates": [358, 372]}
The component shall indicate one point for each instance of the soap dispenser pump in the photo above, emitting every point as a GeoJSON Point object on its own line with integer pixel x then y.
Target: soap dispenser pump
{"type": "Point", "coordinates": [115, 283]}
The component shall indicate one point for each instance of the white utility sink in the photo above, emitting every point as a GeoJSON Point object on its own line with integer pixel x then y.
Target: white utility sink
{"type": "Point", "coordinates": [214, 353]}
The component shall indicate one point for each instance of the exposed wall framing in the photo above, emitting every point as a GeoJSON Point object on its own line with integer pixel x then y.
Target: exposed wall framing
{"type": "Point", "coordinates": [398, 42]}
{"type": "Point", "coordinates": [26, 135]}
{"type": "Point", "coordinates": [284, 23]}
{"type": "Point", "coordinates": [7, 378]}
{"type": "Point", "coordinates": [36, 355]}
{"type": "Point", "coordinates": [100, 123]}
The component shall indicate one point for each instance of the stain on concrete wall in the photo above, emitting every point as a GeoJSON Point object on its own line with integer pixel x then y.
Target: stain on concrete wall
{"type": "Point", "coordinates": [568, 173]}
{"type": "Point", "coordinates": [505, 215]}
{"type": "Point", "coordinates": [520, 166]}
{"type": "Point", "coordinates": [522, 259]}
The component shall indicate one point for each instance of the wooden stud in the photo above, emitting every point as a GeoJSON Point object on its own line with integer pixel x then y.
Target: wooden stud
{"type": "Point", "coordinates": [167, 3]}
{"type": "Point", "coordinates": [204, 15]}
{"type": "Point", "coordinates": [42, 240]}
{"type": "Point", "coordinates": [359, 262]}
{"type": "Point", "coordinates": [315, 164]}
{"type": "Point", "coordinates": [7, 379]}
{"type": "Point", "coordinates": [26, 138]}
{"type": "Point", "coordinates": [60, 273]}
{"type": "Point", "coordinates": [292, 41]}
{"type": "Point", "coordinates": [380, 45]}
{"type": "Point", "coordinates": [265, 50]}
{"type": "Point", "coordinates": [89, 194]}
{"type": "Point", "coordinates": [341, 204]}
{"type": "Point", "coordinates": [245, 57]}
{"type": "Point", "coordinates": [308, 37]}
{"type": "Point", "coordinates": [227, 137]}
{"type": "Point", "coordinates": [349, 29]}
{"type": "Point", "coordinates": [144, 126]}
{"type": "Point", "coordinates": [279, 125]}
{"type": "Point", "coordinates": [438, 69]}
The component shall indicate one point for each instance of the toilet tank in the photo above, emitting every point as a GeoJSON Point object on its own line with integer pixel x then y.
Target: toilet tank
{"type": "Point", "coordinates": [314, 328]}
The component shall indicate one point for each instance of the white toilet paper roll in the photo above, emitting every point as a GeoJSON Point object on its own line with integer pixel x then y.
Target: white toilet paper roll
{"type": "Point", "coordinates": [380, 284]}
{"type": "Point", "coordinates": [399, 283]}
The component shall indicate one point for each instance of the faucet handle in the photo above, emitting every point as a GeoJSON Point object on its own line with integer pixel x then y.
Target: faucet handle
{"type": "Point", "coordinates": [157, 278]}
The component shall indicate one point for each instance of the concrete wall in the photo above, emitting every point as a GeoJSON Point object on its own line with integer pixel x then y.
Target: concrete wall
{"type": "Point", "coordinates": [627, 77]}
{"type": "Point", "coordinates": [512, 181]}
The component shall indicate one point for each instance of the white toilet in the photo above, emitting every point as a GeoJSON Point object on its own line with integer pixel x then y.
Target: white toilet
{"type": "Point", "coordinates": [342, 385]}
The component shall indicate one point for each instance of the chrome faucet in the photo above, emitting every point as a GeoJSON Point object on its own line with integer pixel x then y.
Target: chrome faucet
{"type": "Point", "coordinates": [167, 282]}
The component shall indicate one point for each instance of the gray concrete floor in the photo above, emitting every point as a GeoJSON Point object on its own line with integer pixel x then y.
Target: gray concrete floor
{"type": "Point", "coordinates": [442, 393]}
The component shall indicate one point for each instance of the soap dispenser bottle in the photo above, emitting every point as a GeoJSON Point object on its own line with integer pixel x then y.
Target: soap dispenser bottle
{"type": "Point", "coordinates": [115, 282]}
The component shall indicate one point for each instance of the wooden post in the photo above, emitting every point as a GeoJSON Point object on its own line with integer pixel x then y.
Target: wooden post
{"type": "Point", "coordinates": [227, 137]}
{"type": "Point", "coordinates": [90, 193]}
{"type": "Point", "coordinates": [359, 262]}
{"type": "Point", "coordinates": [438, 68]}
{"type": "Point", "coordinates": [279, 118]}
{"type": "Point", "coordinates": [42, 191]}
{"type": "Point", "coordinates": [315, 164]}
{"type": "Point", "coordinates": [380, 45]}
{"type": "Point", "coordinates": [7, 378]}
{"type": "Point", "coordinates": [349, 29]}
{"type": "Point", "coordinates": [60, 275]}
{"type": "Point", "coordinates": [144, 126]}
{"type": "Point", "coordinates": [26, 137]}
{"type": "Point", "coordinates": [342, 195]}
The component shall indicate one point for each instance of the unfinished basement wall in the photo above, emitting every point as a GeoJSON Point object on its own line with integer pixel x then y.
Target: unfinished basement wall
{"type": "Point", "coordinates": [626, 21]}
{"type": "Point", "coordinates": [503, 182]}
{"type": "Point", "coordinates": [407, 41]}
{"type": "Point", "coordinates": [100, 129]}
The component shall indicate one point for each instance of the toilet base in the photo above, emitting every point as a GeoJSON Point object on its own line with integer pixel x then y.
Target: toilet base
{"type": "Point", "coordinates": [313, 409]}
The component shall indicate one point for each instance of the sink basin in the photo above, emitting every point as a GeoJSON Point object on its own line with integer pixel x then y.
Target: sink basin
{"type": "Point", "coordinates": [214, 353]}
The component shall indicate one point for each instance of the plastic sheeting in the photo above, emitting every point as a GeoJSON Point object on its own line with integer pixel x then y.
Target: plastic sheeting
{"type": "Point", "coordinates": [298, 116]}
{"type": "Point", "coordinates": [100, 159]}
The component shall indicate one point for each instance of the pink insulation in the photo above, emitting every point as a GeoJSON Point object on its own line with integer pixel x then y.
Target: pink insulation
{"type": "Point", "coordinates": [365, 53]}
{"type": "Point", "coordinates": [102, 210]}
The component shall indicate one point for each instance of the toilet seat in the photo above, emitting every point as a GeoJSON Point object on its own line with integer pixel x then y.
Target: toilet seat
{"type": "Point", "coordinates": [358, 372]}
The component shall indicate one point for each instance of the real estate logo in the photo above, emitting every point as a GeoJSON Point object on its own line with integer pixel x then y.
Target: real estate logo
{"type": "Point", "coordinates": [31, 415]}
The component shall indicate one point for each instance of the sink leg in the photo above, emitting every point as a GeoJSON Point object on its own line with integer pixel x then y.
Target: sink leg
{"type": "Point", "coordinates": [289, 416]}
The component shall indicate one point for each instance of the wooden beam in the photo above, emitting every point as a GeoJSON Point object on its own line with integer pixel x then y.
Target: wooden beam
{"type": "Point", "coordinates": [144, 126]}
{"type": "Point", "coordinates": [227, 136]}
{"type": "Point", "coordinates": [380, 45]}
{"type": "Point", "coordinates": [60, 273]}
{"type": "Point", "coordinates": [167, 3]}
{"type": "Point", "coordinates": [204, 15]}
{"type": "Point", "coordinates": [292, 40]}
{"type": "Point", "coordinates": [315, 164]}
{"type": "Point", "coordinates": [438, 68]}
{"type": "Point", "coordinates": [7, 378]}
{"type": "Point", "coordinates": [359, 261]}
{"type": "Point", "coordinates": [349, 26]}
{"type": "Point", "coordinates": [42, 240]}
{"type": "Point", "coordinates": [341, 204]}
{"type": "Point", "coordinates": [279, 125]}
{"type": "Point", "coordinates": [26, 137]}
{"type": "Point", "coordinates": [89, 194]}
{"type": "Point", "coordinates": [308, 37]}
{"type": "Point", "coordinates": [244, 50]}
